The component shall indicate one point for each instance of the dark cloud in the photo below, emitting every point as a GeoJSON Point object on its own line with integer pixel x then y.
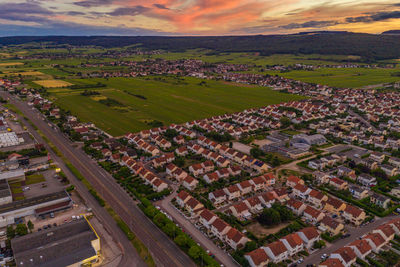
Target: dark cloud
{"type": "Point", "coordinates": [94, 3]}
{"type": "Point", "coordinates": [129, 11]}
{"type": "Point", "coordinates": [310, 24]}
{"type": "Point", "coordinates": [28, 12]}
{"type": "Point", "coordinates": [160, 6]}
{"type": "Point", "coordinates": [380, 16]}
{"type": "Point", "coordinates": [74, 13]}
{"type": "Point", "coordinates": [74, 29]}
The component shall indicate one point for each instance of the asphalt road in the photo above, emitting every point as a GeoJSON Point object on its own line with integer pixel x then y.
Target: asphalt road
{"type": "Point", "coordinates": [164, 251]}
{"type": "Point", "coordinates": [355, 232]}
{"type": "Point", "coordinates": [130, 255]}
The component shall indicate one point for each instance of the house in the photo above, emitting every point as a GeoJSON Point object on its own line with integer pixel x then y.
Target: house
{"type": "Point", "coordinates": [293, 243]}
{"type": "Point", "coordinates": [196, 169]}
{"type": "Point", "coordinates": [240, 211]}
{"type": "Point", "coordinates": [380, 200]}
{"type": "Point", "coordinates": [292, 181]}
{"type": "Point", "coordinates": [316, 164]}
{"type": "Point", "coordinates": [377, 156]}
{"type": "Point", "coordinates": [236, 239]}
{"type": "Point", "coordinates": [331, 262]}
{"type": "Point", "coordinates": [220, 228]}
{"type": "Point", "coordinates": [317, 198]}
{"type": "Point", "coordinates": [395, 224]}
{"type": "Point", "coordinates": [353, 214]}
{"type": "Point", "coordinates": [254, 204]}
{"type": "Point", "coordinates": [258, 183]}
{"type": "Point", "coordinates": [332, 226]}
{"type": "Point", "coordinates": [245, 187]}
{"type": "Point", "coordinates": [276, 251]}
{"type": "Point", "coordinates": [257, 258]}
{"type": "Point", "coordinates": [334, 205]}
{"type": "Point", "coordinates": [190, 183]}
{"type": "Point", "coordinates": [361, 248]}
{"type": "Point", "coordinates": [386, 231]}
{"type": "Point", "coordinates": [296, 206]}
{"type": "Point", "coordinates": [281, 194]}
{"type": "Point", "coordinates": [182, 198]}
{"type": "Point", "coordinates": [395, 192]}
{"type": "Point", "coordinates": [321, 177]}
{"type": "Point", "coordinates": [313, 215]}
{"type": "Point", "coordinates": [206, 218]}
{"type": "Point", "coordinates": [218, 197]}
{"type": "Point", "coordinates": [389, 169]}
{"type": "Point", "coordinates": [376, 241]}
{"type": "Point", "coordinates": [232, 192]}
{"type": "Point", "coordinates": [366, 180]}
{"type": "Point", "coordinates": [267, 199]}
{"type": "Point", "coordinates": [358, 192]}
{"type": "Point", "coordinates": [211, 177]}
{"type": "Point", "coordinates": [339, 184]}
{"type": "Point", "coordinates": [159, 185]}
{"type": "Point", "coordinates": [309, 235]}
{"type": "Point", "coordinates": [301, 191]}
{"type": "Point", "coordinates": [394, 161]}
{"type": "Point", "coordinates": [346, 256]}
{"type": "Point", "coordinates": [193, 206]}
{"type": "Point", "coordinates": [345, 172]}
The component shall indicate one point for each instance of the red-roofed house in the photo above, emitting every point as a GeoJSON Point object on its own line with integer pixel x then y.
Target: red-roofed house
{"type": "Point", "coordinates": [257, 258]}
{"type": "Point", "coordinates": [346, 256]}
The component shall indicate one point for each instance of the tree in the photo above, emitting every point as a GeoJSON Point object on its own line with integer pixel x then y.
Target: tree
{"type": "Point", "coordinates": [285, 122]}
{"type": "Point", "coordinates": [269, 217]}
{"type": "Point", "coordinates": [21, 229]}
{"type": "Point", "coordinates": [181, 240]}
{"type": "Point", "coordinates": [276, 162]}
{"type": "Point", "coordinates": [194, 252]}
{"type": "Point", "coordinates": [10, 232]}
{"type": "Point", "coordinates": [169, 229]}
{"type": "Point", "coordinates": [160, 219]}
{"type": "Point", "coordinates": [30, 226]}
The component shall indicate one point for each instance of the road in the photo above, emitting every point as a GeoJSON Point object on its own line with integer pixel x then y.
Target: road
{"type": "Point", "coordinates": [360, 118]}
{"type": "Point", "coordinates": [164, 251]}
{"type": "Point", "coordinates": [355, 232]}
{"type": "Point", "coordinates": [196, 234]}
{"type": "Point", "coordinates": [130, 255]}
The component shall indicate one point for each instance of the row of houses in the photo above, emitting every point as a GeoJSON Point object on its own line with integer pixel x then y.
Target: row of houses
{"type": "Point", "coordinates": [214, 225]}
{"type": "Point", "coordinates": [284, 248]}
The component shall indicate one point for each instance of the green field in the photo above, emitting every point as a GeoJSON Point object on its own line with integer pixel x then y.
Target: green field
{"type": "Point", "coordinates": [352, 78]}
{"type": "Point", "coordinates": [167, 99]}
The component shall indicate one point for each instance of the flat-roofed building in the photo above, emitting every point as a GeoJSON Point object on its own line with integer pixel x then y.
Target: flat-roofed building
{"type": "Point", "coordinates": [72, 244]}
{"type": "Point", "coordinates": [33, 206]}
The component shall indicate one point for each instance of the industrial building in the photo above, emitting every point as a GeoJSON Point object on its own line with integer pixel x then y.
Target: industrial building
{"type": "Point", "coordinates": [72, 244]}
{"type": "Point", "coordinates": [34, 206]}
{"type": "Point", "coordinates": [10, 139]}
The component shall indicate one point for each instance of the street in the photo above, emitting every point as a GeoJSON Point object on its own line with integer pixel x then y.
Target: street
{"type": "Point", "coordinates": [164, 251]}
{"type": "Point", "coordinates": [196, 234]}
{"type": "Point", "coordinates": [355, 232]}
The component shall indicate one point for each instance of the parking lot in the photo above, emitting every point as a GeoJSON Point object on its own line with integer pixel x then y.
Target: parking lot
{"type": "Point", "coordinates": [353, 152]}
{"type": "Point", "coordinates": [50, 185]}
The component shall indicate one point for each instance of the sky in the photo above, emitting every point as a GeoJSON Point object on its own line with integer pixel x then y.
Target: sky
{"type": "Point", "coordinates": [195, 17]}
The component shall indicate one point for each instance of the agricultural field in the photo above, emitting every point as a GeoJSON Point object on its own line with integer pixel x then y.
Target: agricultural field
{"type": "Point", "coordinates": [132, 104]}
{"type": "Point", "coordinates": [349, 77]}
{"type": "Point", "coordinates": [53, 83]}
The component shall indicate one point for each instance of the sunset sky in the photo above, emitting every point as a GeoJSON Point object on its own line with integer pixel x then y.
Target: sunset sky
{"type": "Point", "coordinates": [194, 17]}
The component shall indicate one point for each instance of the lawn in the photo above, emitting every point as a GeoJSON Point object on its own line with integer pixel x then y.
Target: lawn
{"type": "Point", "coordinates": [349, 77]}
{"type": "Point", "coordinates": [34, 179]}
{"type": "Point", "coordinates": [52, 83]}
{"type": "Point", "coordinates": [166, 99]}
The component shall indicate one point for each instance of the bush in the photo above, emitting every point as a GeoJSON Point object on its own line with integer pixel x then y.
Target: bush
{"type": "Point", "coordinates": [97, 197]}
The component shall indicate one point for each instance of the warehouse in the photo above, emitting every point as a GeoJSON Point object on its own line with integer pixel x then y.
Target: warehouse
{"type": "Point", "coordinates": [71, 244]}
{"type": "Point", "coordinates": [11, 211]}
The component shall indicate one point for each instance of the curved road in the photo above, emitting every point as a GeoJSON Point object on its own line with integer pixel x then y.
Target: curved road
{"type": "Point", "coordinates": [164, 251]}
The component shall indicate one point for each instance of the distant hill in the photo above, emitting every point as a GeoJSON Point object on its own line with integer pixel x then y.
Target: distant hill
{"type": "Point", "coordinates": [392, 32]}
{"type": "Point", "coordinates": [369, 47]}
